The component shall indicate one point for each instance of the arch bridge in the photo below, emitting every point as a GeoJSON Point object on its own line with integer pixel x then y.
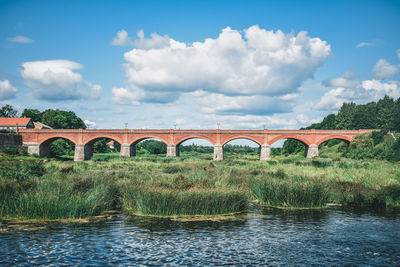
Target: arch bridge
{"type": "Point", "coordinates": [38, 140]}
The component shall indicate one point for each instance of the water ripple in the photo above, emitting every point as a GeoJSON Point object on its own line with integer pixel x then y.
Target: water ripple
{"type": "Point", "coordinates": [269, 237]}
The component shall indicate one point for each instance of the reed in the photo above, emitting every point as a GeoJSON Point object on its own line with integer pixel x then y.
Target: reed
{"type": "Point", "coordinates": [294, 192]}
{"type": "Point", "coordinates": [170, 202]}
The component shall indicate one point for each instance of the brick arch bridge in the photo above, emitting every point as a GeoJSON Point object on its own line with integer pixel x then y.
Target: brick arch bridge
{"type": "Point", "coordinates": [39, 140]}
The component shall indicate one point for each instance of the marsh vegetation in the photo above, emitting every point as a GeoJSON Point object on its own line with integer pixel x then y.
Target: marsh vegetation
{"type": "Point", "coordinates": [32, 187]}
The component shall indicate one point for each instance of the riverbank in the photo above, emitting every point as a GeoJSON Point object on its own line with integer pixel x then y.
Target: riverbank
{"type": "Point", "coordinates": [33, 188]}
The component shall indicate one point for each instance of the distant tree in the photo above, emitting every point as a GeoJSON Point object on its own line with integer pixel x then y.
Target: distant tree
{"type": "Point", "coordinates": [328, 123]}
{"type": "Point", "coordinates": [386, 111]}
{"type": "Point", "coordinates": [365, 117]}
{"type": "Point", "coordinates": [345, 116]}
{"type": "Point", "coordinates": [291, 146]}
{"type": "Point", "coordinates": [34, 114]}
{"type": "Point", "coordinates": [60, 119]}
{"type": "Point", "coordinates": [397, 115]}
{"type": "Point", "coordinates": [8, 111]}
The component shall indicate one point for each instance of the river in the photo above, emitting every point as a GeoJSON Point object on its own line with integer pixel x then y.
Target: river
{"type": "Point", "coordinates": [326, 237]}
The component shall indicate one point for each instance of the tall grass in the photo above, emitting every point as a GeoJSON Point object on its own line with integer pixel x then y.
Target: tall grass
{"type": "Point", "coordinates": [171, 202]}
{"type": "Point", "coordinates": [295, 192]}
{"type": "Point", "coordinates": [33, 188]}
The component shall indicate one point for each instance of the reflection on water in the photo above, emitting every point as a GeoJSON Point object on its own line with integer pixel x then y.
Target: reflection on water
{"type": "Point", "coordinates": [269, 236]}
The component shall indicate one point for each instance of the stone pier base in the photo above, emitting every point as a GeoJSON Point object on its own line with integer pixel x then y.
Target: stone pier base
{"type": "Point", "coordinates": [128, 150]}
{"type": "Point", "coordinates": [312, 151]}
{"type": "Point", "coordinates": [265, 152]}
{"type": "Point", "coordinates": [42, 150]}
{"type": "Point", "coordinates": [218, 152]}
{"type": "Point", "coordinates": [83, 152]}
{"type": "Point", "coordinates": [172, 151]}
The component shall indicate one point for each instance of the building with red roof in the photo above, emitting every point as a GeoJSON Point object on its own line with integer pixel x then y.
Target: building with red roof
{"type": "Point", "coordinates": [14, 123]}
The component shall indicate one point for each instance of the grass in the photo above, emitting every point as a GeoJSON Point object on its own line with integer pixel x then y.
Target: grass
{"type": "Point", "coordinates": [34, 188]}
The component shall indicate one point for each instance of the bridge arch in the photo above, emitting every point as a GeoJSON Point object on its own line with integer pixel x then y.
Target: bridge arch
{"type": "Point", "coordinates": [241, 137]}
{"type": "Point", "coordinates": [301, 139]}
{"type": "Point", "coordinates": [48, 139]}
{"type": "Point", "coordinates": [47, 150]}
{"type": "Point", "coordinates": [142, 138]}
{"type": "Point", "coordinates": [340, 137]}
{"type": "Point", "coordinates": [187, 138]}
{"type": "Point", "coordinates": [93, 139]}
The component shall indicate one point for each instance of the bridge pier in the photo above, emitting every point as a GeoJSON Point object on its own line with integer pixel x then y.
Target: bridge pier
{"type": "Point", "coordinates": [172, 150]}
{"type": "Point", "coordinates": [128, 150]}
{"type": "Point", "coordinates": [42, 150]}
{"type": "Point", "coordinates": [218, 152]}
{"type": "Point", "coordinates": [312, 151]}
{"type": "Point", "coordinates": [83, 152]}
{"type": "Point", "coordinates": [265, 152]}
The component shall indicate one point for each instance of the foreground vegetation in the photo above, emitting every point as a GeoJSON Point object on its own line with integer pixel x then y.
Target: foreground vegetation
{"type": "Point", "coordinates": [31, 187]}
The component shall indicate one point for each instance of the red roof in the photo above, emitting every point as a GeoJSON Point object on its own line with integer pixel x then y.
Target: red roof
{"type": "Point", "coordinates": [14, 121]}
{"type": "Point", "coordinates": [111, 143]}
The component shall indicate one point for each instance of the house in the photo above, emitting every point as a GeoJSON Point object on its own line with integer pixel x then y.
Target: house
{"type": "Point", "coordinates": [111, 144]}
{"type": "Point", "coordinates": [11, 124]}
{"type": "Point", "coordinates": [39, 125]}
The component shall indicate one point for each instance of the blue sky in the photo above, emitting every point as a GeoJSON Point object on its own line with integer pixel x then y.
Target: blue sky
{"type": "Point", "coordinates": [148, 64]}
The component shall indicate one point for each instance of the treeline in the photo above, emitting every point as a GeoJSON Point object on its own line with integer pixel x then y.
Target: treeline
{"type": "Point", "coordinates": [383, 115]}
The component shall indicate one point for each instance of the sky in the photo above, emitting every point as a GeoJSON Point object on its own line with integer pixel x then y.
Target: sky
{"type": "Point", "coordinates": [198, 64]}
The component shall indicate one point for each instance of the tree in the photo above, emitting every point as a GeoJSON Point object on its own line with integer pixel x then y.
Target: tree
{"type": "Point", "coordinates": [60, 119]}
{"type": "Point", "coordinates": [345, 116]}
{"type": "Point", "coordinates": [386, 111]}
{"type": "Point", "coordinates": [34, 114]}
{"type": "Point", "coordinates": [8, 111]}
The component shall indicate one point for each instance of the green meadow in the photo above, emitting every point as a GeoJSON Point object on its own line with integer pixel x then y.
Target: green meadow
{"type": "Point", "coordinates": [192, 184]}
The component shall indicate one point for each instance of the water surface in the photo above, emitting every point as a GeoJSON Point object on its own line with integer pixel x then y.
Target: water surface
{"type": "Point", "coordinates": [264, 237]}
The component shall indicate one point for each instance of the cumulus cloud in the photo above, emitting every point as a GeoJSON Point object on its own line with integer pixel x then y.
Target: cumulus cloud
{"type": "Point", "coordinates": [377, 89]}
{"type": "Point", "coordinates": [334, 98]}
{"type": "Point", "coordinates": [154, 42]}
{"type": "Point", "coordinates": [89, 124]}
{"type": "Point", "coordinates": [57, 80]}
{"type": "Point", "coordinates": [7, 90]}
{"type": "Point", "coordinates": [122, 39]}
{"type": "Point", "coordinates": [384, 69]}
{"type": "Point", "coordinates": [258, 62]}
{"type": "Point", "coordinates": [398, 54]}
{"type": "Point", "coordinates": [95, 90]}
{"type": "Point", "coordinates": [20, 39]}
{"type": "Point", "coordinates": [215, 103]}
{"type": "Point", "coordinates": [363, 91]}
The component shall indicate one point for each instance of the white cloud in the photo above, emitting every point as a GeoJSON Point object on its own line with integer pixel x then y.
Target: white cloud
{"type": "Point", "coordinates": [7, 90]}
{"type": "Point", "coordinates": [346, 80]}
{"type": "Point", "coordinates": [334, 98]}
{"type": "Point", "coordinates": [289, 96]}
{"type": "Point", "coordinates": [20, 39]}
{"type": "Point", "coordinates": [379, 89]}
{"type": "Point", "coordinates": [95, 90]}
{"type": "Point", "coordinates": [122, 39]}
{"type": "Point", "coordinates": [126, 97]}
{"type": "Point", "coordinates": [89, 124]}
{"type": "Point", "coordinates": [154, 42]}
{"type": "Point", "coordinates": [214, 103]}
{"type": "Point", "coordinates": [363, 44]}
{"type": "Point", "coordinates": [398, 54]}
{"type": "Point", "coordinates": [363, 92]}
{"type": "Point", "coordinates": [384, 69]}
{"type": "Point", "coordinates": [57, 80]}
{"type": "Point", "coordinates": [259, 63]}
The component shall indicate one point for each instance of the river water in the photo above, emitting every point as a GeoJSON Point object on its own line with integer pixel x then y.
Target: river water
{"type": "Point", "coordinates": [332, 237]}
